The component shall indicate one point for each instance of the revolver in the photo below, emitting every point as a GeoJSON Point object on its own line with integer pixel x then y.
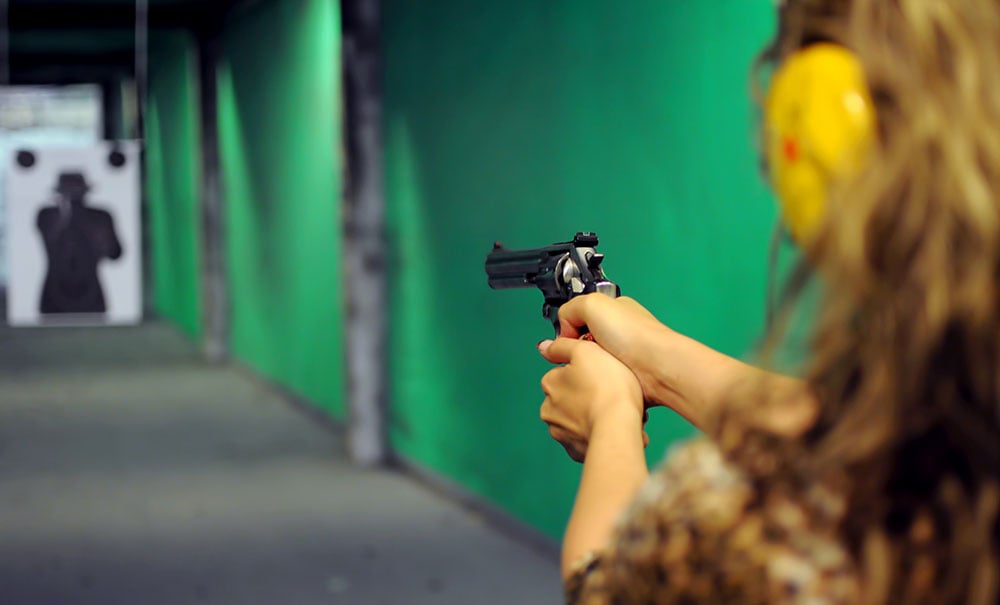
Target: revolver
{"type": "Point", "coordinates": [561, 271]}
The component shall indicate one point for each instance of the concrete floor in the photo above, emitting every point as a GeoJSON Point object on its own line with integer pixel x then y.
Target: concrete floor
{"type": "Point", "coordinates": [130, 472]}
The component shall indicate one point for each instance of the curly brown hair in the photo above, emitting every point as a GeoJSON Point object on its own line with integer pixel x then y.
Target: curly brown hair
{"type": "Point", "coordinates": [905, 358]}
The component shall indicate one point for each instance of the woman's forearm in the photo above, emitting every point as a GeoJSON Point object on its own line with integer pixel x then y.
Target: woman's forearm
{"type": "Point", "coordinates": [698, 380]}
{"type": "Point", "coordinates": [687, 376]}
{"type": "Point", "coordinates": [613, 471]}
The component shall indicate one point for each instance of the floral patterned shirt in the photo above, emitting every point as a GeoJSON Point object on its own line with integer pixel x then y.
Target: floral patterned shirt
{"type": "Point", "coordinates": [704, 530]}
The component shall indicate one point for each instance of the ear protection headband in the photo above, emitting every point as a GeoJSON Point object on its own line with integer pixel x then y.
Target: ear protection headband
{"type": "Point", "coordinates": [819, 120]}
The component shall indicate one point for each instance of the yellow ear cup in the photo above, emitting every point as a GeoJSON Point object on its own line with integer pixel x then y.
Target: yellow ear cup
{"type": "Point", "coordinates": [819, 121]}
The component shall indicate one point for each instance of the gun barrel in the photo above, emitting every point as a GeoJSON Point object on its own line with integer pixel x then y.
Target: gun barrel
{"type": "Point", "coordinates": [514, 268]}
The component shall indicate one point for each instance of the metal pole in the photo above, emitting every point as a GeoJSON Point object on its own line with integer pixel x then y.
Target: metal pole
{"type": "Point", "coordinates": [141, 63]}
{"type": "Point", "coordinates": [4, 42]}
{"type": "Point", "coordinates": [141, 69]}
{"type": "Point", "coordinates": [215, 305]}
{"type": "Point", "coordinates": [364, 234]}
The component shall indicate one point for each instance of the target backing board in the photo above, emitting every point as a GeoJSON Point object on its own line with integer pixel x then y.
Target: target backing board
{"type": "Point", "coordinates": [73, 236]}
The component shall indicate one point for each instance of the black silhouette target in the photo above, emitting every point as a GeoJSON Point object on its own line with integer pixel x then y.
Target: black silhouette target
{"type": "Point", "coordinates": [77, 238]}
{"type": "Point", "coordinates": [73, 246]}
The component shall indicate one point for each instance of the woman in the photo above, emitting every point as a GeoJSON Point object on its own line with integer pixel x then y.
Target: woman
{"type": "Point", "coordinates": [875, 478]}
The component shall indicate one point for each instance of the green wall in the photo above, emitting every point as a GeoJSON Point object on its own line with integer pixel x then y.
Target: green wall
{"type": "Point", "coordinates": [173, 181]}
{"type": "Point", "coordinates": [526, 121]}
{"type": "Point", "coordinates": [279, 143]}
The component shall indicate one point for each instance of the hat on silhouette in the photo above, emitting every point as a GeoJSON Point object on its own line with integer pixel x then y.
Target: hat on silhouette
{"type": "Point", "coordinates": [72, 181]}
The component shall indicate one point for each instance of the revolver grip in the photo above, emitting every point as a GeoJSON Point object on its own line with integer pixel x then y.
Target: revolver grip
{"type": "Point", "coordinates": [551, 313]}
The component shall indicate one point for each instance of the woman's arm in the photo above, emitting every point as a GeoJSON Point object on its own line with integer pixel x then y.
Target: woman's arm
{"type": "Point", "coordinates": [613, 471]}
{"type": "Point", "coordinates": [679, 372]}
{"type": "Point", "coordinates": [594, 408]}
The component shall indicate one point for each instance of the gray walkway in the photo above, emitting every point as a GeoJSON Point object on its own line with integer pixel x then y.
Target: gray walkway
{"type": "Point", "coordinates": [132, 473]}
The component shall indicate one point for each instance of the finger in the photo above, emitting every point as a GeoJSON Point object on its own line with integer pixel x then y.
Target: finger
{"type": "Point", "coordinates": [574, 451]}
{"type": "Point", "coordinates": [645, 440]}
{"type": "Point", "coordinates": [573, 315]}
{"type": "Point", "coordinates": [549, 380]}
{"type": "Point", "coordinates": [575, 448]}
{"type": "Point", "coordinates": [560, 434]}
{"type": "Point", "coordinates": [545, 412]}
{"type": "Point", "coordinates": [559, 350]}
{"type": "Point", "coordinates": [549, 414]}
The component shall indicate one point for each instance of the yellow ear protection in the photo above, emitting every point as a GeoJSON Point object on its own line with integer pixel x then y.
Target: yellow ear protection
{"type": "Point", "coordinates": [819, 121]}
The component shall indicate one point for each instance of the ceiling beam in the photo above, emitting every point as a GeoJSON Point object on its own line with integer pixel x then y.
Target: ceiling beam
{"type": "Point", "coordinates": [32, 16]}
{"type": "Point", "coordinates": [72, 41]}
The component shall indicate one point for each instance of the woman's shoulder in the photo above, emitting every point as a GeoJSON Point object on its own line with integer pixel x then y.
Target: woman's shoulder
{"type": "Point", "coordinates": [705, 530]}
{"type": "Point", "coordinates": [694, 482]}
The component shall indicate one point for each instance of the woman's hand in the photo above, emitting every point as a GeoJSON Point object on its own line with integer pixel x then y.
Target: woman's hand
{"type": "Point", "coordinates": [673, 370]}
{"type": "Point", "coordinates": [591, 389]}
